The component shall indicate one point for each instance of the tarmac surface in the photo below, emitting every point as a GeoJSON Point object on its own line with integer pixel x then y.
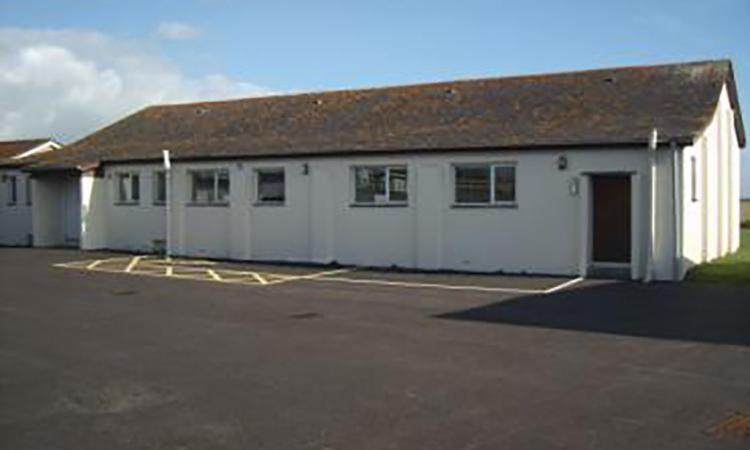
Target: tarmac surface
{"type": "Point", "coordinates": [110, 360]}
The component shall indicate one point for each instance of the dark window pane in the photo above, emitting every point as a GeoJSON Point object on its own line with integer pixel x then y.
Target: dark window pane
{"type": "Point", "coordinates": [369, 184]}
{"type": "Point", "coordinates": [122, 187]}
{"type": "Point", "coordinates": [222, 194]}
{"type": "Point", "coordinates": [473, 184]}
{"type": "Point", "coordinates": [13, 190]}
{"type": "Point", "coordinates": [271, 186]}
{"type": "Point", "coordinates": [203, 187]}
{"type": "Point", "coordinates": [28, 190]}
{"type": "Point", "coordinates": [160, 187]}
{"type": "Point", "coordinates": [135, 183]}
{"type": "Point", "coordinates": [505, 184]}
{"type": "Point", "coordinates": [397, 181]}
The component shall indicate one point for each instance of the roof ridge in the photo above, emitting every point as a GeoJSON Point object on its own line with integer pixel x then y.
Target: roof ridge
{"type": "Point", "coordinates": [439, 83]}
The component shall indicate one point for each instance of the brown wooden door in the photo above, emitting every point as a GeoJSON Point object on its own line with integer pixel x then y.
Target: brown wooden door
{"type": "Point", "coordinates": [611, 218]}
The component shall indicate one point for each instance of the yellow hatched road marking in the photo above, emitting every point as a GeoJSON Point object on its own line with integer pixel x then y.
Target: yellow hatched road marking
{"type": "Point", "coordinates": [133, 262]}
{"type": "Point", "coordinates": [259, 278]}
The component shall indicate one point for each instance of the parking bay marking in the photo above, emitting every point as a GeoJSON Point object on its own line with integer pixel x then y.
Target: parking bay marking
{"type": "Point", "coordinates": [208, 274]}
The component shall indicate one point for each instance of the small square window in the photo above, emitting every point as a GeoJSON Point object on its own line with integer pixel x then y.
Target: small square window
{"type": "Point", "coordinates": [210, 187]}
{"type": "Point", "coordinates": [270, 186]}
{"type": "Point", "coordinates": [128, 188]}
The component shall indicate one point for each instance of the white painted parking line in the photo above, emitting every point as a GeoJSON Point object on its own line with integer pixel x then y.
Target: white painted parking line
{"type": "Point", "coordinates": [430, 285]}
{"type": "Point", "coordinates": [563, 285]}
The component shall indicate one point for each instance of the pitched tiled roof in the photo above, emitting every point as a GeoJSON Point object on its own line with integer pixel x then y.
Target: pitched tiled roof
{"type": "Point", "coordinates": [9, 149]}
{"type": "Point", "coordinates": [605, 107]}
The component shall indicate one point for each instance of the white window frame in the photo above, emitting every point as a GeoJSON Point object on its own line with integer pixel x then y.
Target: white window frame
{"type": "Point", "coordinates": [155, 188]}
{"type": "Point", "coordinates": [256, 175]}
{"type": "Point", "coordinates": [130, 200]}
{"type": "Point", "coordinates": [493, 201]}
{"type": "Point", "coordinates": [215, 201]}
{"type": "Point", "coordinates": [12, 182]}
{"type": "Point", "coordinates": [387, 168]}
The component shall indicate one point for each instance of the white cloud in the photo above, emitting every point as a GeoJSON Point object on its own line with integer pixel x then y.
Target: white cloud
{"type": "Point", "coordinates": [67, 83]}
{"type": "Point", "coordinates": [177, 30]}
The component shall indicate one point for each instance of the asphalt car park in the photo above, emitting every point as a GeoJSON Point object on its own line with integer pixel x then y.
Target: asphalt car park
{"type": "Point", "coordinates": [110, 359]}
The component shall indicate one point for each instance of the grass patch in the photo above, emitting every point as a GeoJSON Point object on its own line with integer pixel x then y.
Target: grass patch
{"type": "Point", "coordinates": [734, 268]}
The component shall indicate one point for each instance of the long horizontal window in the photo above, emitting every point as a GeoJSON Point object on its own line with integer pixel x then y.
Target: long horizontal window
{"type": "Point", "coordinates": [485, 184]}
{"type": "Point", "coordinates": [128, 187]}
{"type": "Point", "coordinates": [270, 186]}
{"type": "Point", "coordinates": [210, 187]}
{"type": "Point", "coordinates": [375, 185]}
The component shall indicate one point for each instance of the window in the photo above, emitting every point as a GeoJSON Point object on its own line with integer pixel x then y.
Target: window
{"type": "Point", "coordinates": [28, 191]}
{"type": "Point", "coordinates": [375, 185]}
{"type": "Point", "coordinates": [483, 184]}
{"type": "Point", "coordinates": [128, 188]}
{"type": "Point", "coordinates": [160, 187]}
{"type": "Point", "coordinates": [210, 187]}
{"type": "Point", "coordinates": [693, 179]}
{"type": "Point", "coordinates": [270, 186]}
{"type": "Point", "coordinates": [12, 182]}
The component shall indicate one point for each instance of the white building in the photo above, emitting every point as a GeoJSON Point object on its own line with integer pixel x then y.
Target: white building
{"type": "Point", "coordinates": [549, 174]}
{"type": "Point", "coordinates": [15, 188]}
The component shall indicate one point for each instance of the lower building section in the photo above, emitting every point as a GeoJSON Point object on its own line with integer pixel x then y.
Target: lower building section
{"type": "Point", "coordinates": [524, 212]}
{"type": "Point", "coordinates": [580, 212]}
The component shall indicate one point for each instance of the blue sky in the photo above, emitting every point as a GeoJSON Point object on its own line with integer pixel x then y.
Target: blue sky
{"type": "Point", "coordinates": [312, 45]}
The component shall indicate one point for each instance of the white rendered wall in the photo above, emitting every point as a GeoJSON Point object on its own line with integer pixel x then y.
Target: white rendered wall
{"type": "Point", "coordinates": [711, 225]}
{"type": "Point", "coordinates": [94, 211]}
{"type": "Point", "coordinates": [15, 219]}
{"type": "Point", "coordinates": [317, 223]}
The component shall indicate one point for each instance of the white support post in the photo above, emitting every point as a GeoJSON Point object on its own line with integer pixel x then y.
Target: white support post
{"type": "Point", "coordinates": [650, 256]}
{"type": "Point", "coordinates": [168, 202]}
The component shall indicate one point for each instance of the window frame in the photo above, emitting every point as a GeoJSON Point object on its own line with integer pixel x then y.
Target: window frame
{"type": "Point", "coordinates": [216, 176]}
{"type": "Point", "coordinates": [694, 179]}
{"type": "Point", "coordinates": [493, 202]}
{"type": "Point", "coordinates": [28, 191]}
{"type": "Point", "coordinates": [130, 200]}
{"type": "Point", "coordinates": [382, 203]}
{"type": "Point", "coordinates": [155, 188]}
{"type": "Point", "coordinates": [12, 196]}
{"type": "Point", "coordinates": [257, 201]}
